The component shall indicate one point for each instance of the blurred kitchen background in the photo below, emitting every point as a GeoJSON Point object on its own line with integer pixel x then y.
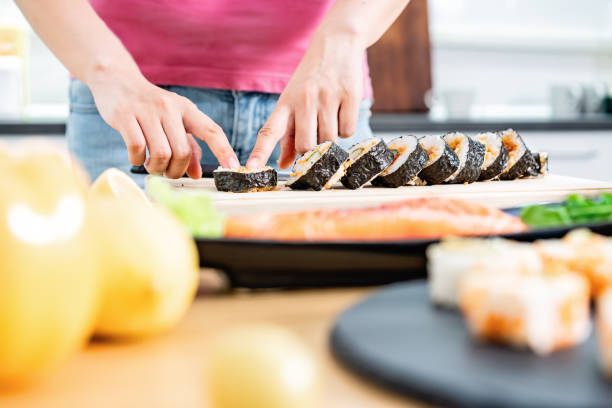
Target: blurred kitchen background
{"type": "Point", "coordinates": [543, 67]}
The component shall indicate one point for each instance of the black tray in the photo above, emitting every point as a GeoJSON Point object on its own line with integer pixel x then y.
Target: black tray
{"type": "Point", "coordinates": [273, 264]}
{"type": "Point", "coordinates": [398, 340]}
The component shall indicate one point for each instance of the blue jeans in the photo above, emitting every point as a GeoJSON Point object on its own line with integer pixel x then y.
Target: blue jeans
{"type": "Point", "coordinates": [240, 115]}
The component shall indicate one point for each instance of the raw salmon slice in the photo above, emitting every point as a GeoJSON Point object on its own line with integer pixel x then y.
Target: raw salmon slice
{"type": "Point", "coordinates": [417, 218]}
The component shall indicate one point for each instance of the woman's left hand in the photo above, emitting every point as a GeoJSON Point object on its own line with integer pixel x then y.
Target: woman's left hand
{"type": "Point", "coordinates": [320, 102]}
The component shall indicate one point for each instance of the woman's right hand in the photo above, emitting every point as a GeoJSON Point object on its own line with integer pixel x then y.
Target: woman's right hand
{"type": "Point", "coordinates": [149, 117]}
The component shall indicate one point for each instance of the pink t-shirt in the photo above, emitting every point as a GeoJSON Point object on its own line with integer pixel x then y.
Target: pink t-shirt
{"type": "Point", "coordinates": [248, 45]}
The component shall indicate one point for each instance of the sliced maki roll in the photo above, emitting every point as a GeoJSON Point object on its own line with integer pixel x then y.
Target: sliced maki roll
{"type": "Point", "coordinates": [319, 168]}
{"type": "Point", "coordinates": [471, 155]}
{"type": "Point", "coordinates": [520, 159]}
{"type": "Point", "coordinates": [409, 160]}
{"type": "Point", "coordinates": [442, 162]}
{"type": "Point", "coordinates": [496, 155]}
{"type": "Point", "coordinates": [243, 179]}
{"type": "Point", "coordinates": [541, 165]}
{"type": "Point", "coordinates": [366, 160]}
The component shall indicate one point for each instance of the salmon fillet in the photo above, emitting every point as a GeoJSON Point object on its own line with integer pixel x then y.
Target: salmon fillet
{"type": "Point", "coordinates": [430, 217]}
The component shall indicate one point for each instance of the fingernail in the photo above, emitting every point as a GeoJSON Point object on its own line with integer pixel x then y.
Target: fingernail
{"type": "Point", "coordinates": [234, 163]}
{"type": "Point", "coordinates": [253, 164]}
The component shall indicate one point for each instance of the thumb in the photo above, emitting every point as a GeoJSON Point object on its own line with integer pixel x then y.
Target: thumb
{"type": "Point", "coordinates": [270, 133]}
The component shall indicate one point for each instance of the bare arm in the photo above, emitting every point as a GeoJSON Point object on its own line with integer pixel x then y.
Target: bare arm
{"type": "Point", "coordinates": [321, 101]}
{"type": "Point", "coordinates": [145, 115]}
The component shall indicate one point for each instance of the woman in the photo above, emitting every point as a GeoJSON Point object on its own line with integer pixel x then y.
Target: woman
{"type": "Point", "coordinates": [211, 81]}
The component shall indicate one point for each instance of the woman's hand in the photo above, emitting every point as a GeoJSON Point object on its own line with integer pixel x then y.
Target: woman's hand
{"type": "Point", "coordinates": [147, 116]}
{"type": "Point", "coordinates": [320, 102]}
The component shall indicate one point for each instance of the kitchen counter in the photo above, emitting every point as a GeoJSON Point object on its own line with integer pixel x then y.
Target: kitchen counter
{"type": "Point", "coordinates": [382, 122]}
{"type": "Point", "coordinates": [169, 370]}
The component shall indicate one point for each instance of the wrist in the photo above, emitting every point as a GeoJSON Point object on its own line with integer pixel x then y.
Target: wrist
{"type": "Point", "coordinates": [102, 71]}
{"type": "Point", "coordinates": [345, 33]}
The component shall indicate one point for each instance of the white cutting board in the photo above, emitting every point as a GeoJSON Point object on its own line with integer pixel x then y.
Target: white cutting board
{"type": "Point", "coordinates": [497, 193]}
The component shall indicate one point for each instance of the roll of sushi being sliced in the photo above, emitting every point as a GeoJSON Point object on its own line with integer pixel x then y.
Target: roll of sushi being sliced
{"type": "Point", "coordinates": [471, 155]}
{"type": "Point", "coordinates": [409, 160]}
{"type": "Point", "coordinates": [319, 168]}
{"type": "Point", "coordinates": [243, 180]}
{"type": "Point", "coordinates": [520, 160]}
{"type": "Point", "coordinates": [496, 155]}
{"type": "Point", "coordinates": [442, 161]}
{"type": "Point", "coordinates": [541, 165]}
{"type": "Point", "coordinates": [366, 161]}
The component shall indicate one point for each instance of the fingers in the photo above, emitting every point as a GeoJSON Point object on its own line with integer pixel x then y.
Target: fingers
{"type": "Point", "coordinates": [348, 115]}
{"type": "Point", "coordinates": [271, 132]}
{"type": "Point", "coordinates": [202, 127]}
{"type": "Point", "coordinates": [181, 148]}
{"type": "Point", "coordinates": [327, 119]}
{"type": "Point", "coordinates": [288, 153]}
{"type": "Point", "coordinates": [194, 170]}
{"type": "Point", "coordinates": [134, 141]}
{"type": "Point", "coordinates": [159, 148]}
{"type": "Point", "coordinates": [305, 126]}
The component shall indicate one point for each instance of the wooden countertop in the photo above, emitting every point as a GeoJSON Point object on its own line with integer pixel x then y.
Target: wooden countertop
{"type": "Point", "coordinates": [168, 371]}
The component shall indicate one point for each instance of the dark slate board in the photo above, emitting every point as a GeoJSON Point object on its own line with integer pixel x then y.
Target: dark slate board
{"type": "Point", "coordinates": [397, 339]}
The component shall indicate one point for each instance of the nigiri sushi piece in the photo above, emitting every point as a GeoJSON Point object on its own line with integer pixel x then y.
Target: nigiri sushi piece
{"type": "Point", "coordinates": [539, 310]}
{"type": "Point", "coordinates": [583, 252]}
{"type": "Point", "coordinates": [430, 217]}
{"type": "Point", "coordinates": [450, 260]}
{"type": "Point", "coordinates": [604, 332]}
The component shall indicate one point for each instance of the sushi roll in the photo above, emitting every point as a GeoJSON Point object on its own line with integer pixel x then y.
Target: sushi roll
{"type": "Point", "coordinates": [366, 161]}
{"type": "Point", "coordinates": [442, 161]}
{"type": "Point", "coordinates": [319, 168]}
{"type": "Point", "coordinates": [496, 155]}
{"type": "Point", "coordinates": [243, 180]}
{"type": "Point", "coordinates": [604, 332]}
{"type": "Point", "coordinates": [541, 165]}
{"type": "Point", "coordinates": [450, 260]}
{"type": "Point", "coordinates": [409, 160]}
{"type": "Point", "coordinates": [540, 310]}
{"type": "Point", "coordinates": [583, 252]}
{"type": "Point", "coordinates": [520, 160]}
{"type": "Point", "coordinates": [471, 155]}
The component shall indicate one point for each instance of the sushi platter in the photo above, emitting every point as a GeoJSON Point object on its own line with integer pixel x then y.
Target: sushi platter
{"type": "Point", "coordinates": [499, 323]}
{"type": "Point", "coordinates": [398, 340]}
{"type": "Point", "coordinates": [254, 263]}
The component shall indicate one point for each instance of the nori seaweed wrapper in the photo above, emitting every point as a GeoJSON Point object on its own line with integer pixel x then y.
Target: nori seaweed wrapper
{"type": "Point", "coordinates": [471, 169]}
{"type": "Point", "coordinates": [497, 167]}
{"type": "Point", "coordinates": [237, 182]}
{"type": "Point", "coordinates": [368, 166]}
{"type": "Point", "coordinates": [407, 172]}
{"type": "Point", "coordinates": [441, 169]}
{"type": "Point", "coordinates": [322, 170]}
{"type": "Point", "coordinates": [540, 167]}
{"type": "Point", "coordinates": [523, 167]}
